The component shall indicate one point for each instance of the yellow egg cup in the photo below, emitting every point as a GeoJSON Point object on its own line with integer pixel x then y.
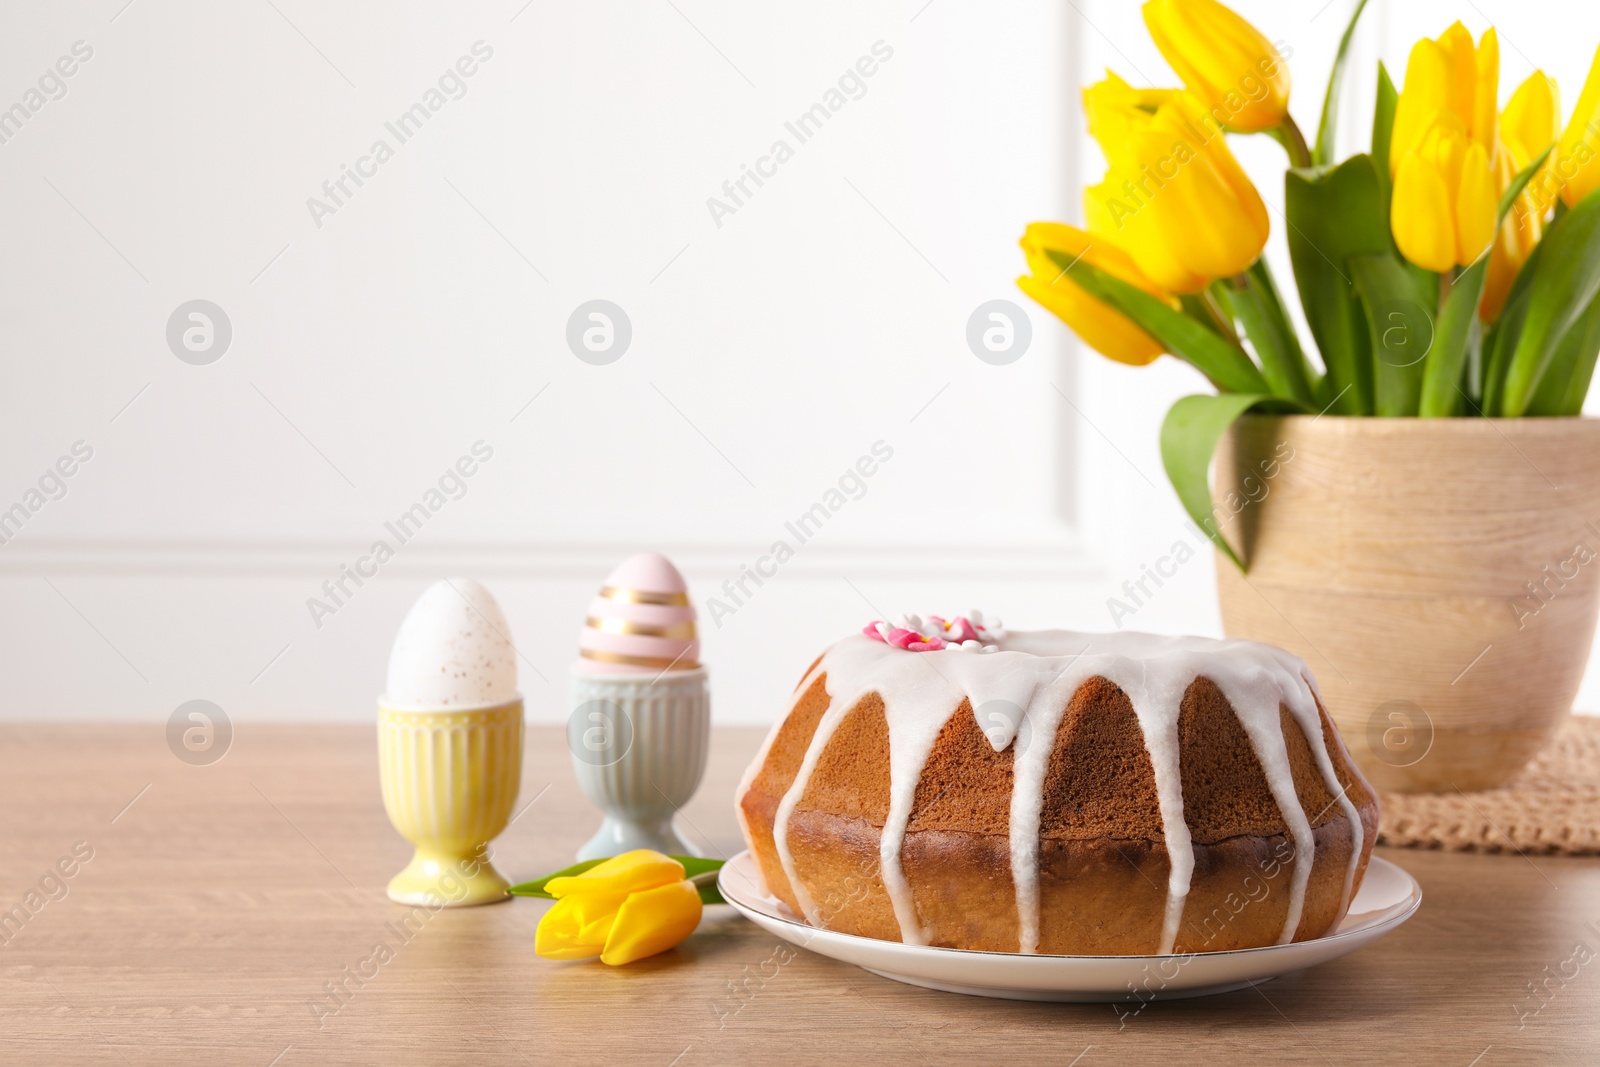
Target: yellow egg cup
{"type": "Point", "coordinates": [450, 779]}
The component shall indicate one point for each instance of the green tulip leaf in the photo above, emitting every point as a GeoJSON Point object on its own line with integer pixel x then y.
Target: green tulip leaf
{"type": "Point", "coordinates": [1566, 282]}
{"type": "Point", "coordinates": [1195, 306]}
{"type": "Point", "coordinates": [535, 888]}
{"type": "Point", "coordinates": [1441, 377]}
{"type": "Point", "coordinates": [1503, 334]}
{"type": "Point", "coordinates": [1252, 298]}
{"type": "Point", "coordinates": [1383, 134]}
{"type": "Point", "coordinates": [1335, 213]}
{"type": "Point", "coordinates": [1189, 438]}
{"type": "Point", "coordinates": [697, 869]}
{"type": "Point", "coordinates": [1566, 384]}
{"type": "Point", "coordinates": [1328, 127]}
{"type": "Point", "coordinates": [1225, 364]}
{"type": "Point", "coordinates": [1400, 328]}
{"type": "Point", "coordinates": [692, 866]}
{"type": "Point", "coordinates": [1441, 374]}
{"type": "Point", "coordinates": [1481, 373]}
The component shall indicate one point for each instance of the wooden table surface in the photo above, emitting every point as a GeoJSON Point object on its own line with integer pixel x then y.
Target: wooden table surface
{"type": "Point", "coordinates": [220, 901]}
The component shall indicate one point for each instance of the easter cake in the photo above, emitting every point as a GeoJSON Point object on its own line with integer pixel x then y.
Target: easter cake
{"type": "Point", "coordinates": [944, 782]}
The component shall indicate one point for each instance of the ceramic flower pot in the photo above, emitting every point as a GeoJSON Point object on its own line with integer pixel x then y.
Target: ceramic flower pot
{"type": "Point", "coordinates": [1439, 576]}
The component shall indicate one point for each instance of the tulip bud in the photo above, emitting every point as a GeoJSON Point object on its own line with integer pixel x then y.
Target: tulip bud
{"type": "Point", "coordinates": [1531, 123]}
{"type": "Point", "coordinates": [1575, 164]}
{"type": "Point", "coordinates": [1223, 60]}
{"type": "Point", "coordinates": [1447, 77]}
{"type": "Point", "coordinates": [629, 907]}
{"type": "Point", "coordinates": [1112, 94]}
{"type": "Point", "coordinates": [1532, 118]}
{"type": "Point", "coordinates": [1174, 198]}
{"type": "Point", "coordinates": [1528, 125]}
{"type": "Point", "coordinates": [1440, 152]}
{"type": "Point", "coordinates": [1443, 210]}
{"type": "Point", "coordinates": [1102, 328]}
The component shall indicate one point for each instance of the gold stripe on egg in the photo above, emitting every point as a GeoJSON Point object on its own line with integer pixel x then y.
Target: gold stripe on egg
{"type": "Point", "coordinates": [639, 596]}
{"type": "Point", "coordinates": [683, 630]}
{"type": "Point", "coordinates": [638, 661]}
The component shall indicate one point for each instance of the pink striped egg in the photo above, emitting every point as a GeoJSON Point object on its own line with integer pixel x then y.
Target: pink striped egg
{"type": "Point", "coordinates": [642, 621]}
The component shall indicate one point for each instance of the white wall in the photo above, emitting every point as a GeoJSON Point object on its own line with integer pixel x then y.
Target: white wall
{"type": "Point", "coordinates": [828, 312]}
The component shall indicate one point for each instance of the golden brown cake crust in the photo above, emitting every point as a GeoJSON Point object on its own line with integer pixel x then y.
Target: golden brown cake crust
{"type": "Point", "coordinates": [1103, 863]}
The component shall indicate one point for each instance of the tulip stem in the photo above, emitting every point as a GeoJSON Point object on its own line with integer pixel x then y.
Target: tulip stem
{"type": "Point", "coordinates": [1253, 299]}
{"type": "Point", "coordinates": [1293, 141]}
{"type": "Point", "coordinates": [703, 879]}
{"type": "Point", "coordinates": [1213, 310]}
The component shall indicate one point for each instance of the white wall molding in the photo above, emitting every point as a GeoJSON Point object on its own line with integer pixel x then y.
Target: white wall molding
{"type": "Point", "coordinates": [1049, 554]}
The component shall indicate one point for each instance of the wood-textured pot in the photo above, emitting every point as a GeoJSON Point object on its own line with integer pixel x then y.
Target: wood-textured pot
{"type": "Point", "coordinates": [1439, 576]}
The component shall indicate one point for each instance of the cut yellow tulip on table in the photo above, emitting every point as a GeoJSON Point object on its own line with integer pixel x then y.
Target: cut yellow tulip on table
{"type": "Point", "coordinates": [624, 909]}
{"type": "Point", "coordinates": [1223, 60]}
{"type": "Point", "coordinates": [1442, 150]}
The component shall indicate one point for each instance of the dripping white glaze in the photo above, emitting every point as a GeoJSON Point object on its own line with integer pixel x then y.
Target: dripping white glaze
{"type": "Point", "coordinates": [1311, 726]}
{"type": "Point", "coordinates": [1020, 694]}
{"type": "Point", "coordinates": [780, 824]}
{"type": "Point", "coordinates": [745, 782]}
{"type": "Point", "coordinates": [1256, 698]}
{"type": "Point", "coordinates": [750, 772]}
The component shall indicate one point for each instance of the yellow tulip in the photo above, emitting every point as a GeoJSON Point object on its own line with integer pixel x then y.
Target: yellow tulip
{"type": "Point", "coordinates": [1112, 93]}
{"type": "Point", "coordinates": [1174, 198]}
{"type": "Point", "coordinates": [1448, 79]}
{"type": "Point", "coordinates": [1102, 328]}
{"type": "Point", "coordinates": [1532, 117]}
{"type": "Point", "coordinates": [1515, 240]}
{"type": "Point", "coordinates": [624, 909]}
{"type": "Point", "coordinates": [1528, 126]}
{"type": "Point", "coordinates": [1442, 148]}
{"type": "Point", "coordinates": [1223, 60]}
{"type": "Point", "coordinates": [1575, 163]}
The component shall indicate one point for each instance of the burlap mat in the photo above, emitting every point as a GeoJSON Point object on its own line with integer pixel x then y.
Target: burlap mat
{"type": "Point", "coordinates": [1553, 806]}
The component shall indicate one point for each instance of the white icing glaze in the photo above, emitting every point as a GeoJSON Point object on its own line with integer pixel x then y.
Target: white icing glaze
{"type": "Point", "coordinates": [780, 824]}
{"type": "Point", "coordinates": [1256, 699]}
{"type": "Point", "coordinates": [1020, 693]}
{"type": "Point", "coordinates": [745, 782]}
{"type": "Point", "coordinates": [1311, 726]}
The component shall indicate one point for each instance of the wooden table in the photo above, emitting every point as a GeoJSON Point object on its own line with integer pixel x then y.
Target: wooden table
{"type": "Point", "coordinates": [221, 901]}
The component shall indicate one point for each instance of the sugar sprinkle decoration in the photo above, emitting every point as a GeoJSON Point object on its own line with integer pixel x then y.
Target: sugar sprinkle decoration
{"type": "Point", "coordinates": [972, 632]}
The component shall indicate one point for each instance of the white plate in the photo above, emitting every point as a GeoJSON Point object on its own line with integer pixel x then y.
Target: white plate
{"type": "Point", "coordinates": [1388, 897]}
